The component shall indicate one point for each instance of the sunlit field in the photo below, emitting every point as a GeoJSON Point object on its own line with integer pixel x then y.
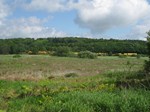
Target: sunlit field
{"type": "Point", "coordinates": [34, 67]}
{"type": "Point", "coordinates": [42, 83]}
{"type": "Point", "coordinates": [74, 56]}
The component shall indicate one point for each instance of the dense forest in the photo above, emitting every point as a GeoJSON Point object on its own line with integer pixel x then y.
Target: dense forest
{"type": "Point", "coordinates": [23, 45]}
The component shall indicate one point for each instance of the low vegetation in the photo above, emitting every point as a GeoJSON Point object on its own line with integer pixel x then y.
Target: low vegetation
{"type": "Point", "coordinates": [16, 56]}
{"type": "Point", "coordinates": [36, 67]}
{"type": "Point", "coordinates": [87, 54]}
{"type": "Point", "coordinates": [147, 63]}
{"type": "Point", "coordinates": [119, 87]}
{"type": "Point", "coordinates": [98, 93]}
{"type": "Point", "coordinates": [71, 75]}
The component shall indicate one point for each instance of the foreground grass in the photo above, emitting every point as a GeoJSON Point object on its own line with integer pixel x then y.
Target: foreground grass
{"type": "Point", "coordinates": [78, 94]}
{"type": "Point", "coordinates": [84, 101]}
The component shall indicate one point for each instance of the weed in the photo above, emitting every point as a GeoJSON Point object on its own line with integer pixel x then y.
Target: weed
{"type": "Point", "coordinates": [71, 75]}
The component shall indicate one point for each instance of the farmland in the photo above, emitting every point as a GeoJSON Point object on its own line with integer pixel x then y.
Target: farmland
{"type": "Point", "coordinates": [43, 83]}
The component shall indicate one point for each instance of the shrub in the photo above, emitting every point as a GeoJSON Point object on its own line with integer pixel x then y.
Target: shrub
{"type": "Point", "coordinates": [147, 67]}
{"type": "Point", "coordinates": [110, 54]}
{"type": "Point", "coordinates": [51, 77]}
{"type": "Point", "coordinates": [17, 56]}
{"type": "Point", "coordinates": [72, 54]}
{"type": "Point", "coordinates": [71, 75]}
{"type": "Point", "coordinates": [87, 54]}
{"type": "Point", "coordinates": [147, 63]}
{"type": "Point", "coordinates": [62, 51]}
{"type": "Point", "coordinates": [122, 56]}
{"type": "Point", "coordinates": [138, 56]}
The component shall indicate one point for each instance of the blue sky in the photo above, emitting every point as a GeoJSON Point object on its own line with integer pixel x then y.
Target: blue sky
{"type": "Point", "coordinates": [119, 19]}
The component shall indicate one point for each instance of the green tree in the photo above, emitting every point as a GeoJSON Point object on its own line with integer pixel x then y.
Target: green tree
{"type": "Point", "coordinates": [22, 45]}
{"type": "Point", "coordinates": [4, 48]}
{"type": "Point", "coordinates": [62, 51]}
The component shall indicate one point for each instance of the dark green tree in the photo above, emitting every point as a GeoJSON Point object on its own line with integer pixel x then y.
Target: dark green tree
{"type": "Point", "coordinates": [4, 48]}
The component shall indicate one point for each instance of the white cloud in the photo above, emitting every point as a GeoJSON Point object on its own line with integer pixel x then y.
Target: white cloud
{"type": "Point", "coordinates": [4, 11]}
{"type": "Point", "coordinates": [139, 30]}
{"type": "Point", "coordinates": [28, 27]}
{"type": "Point", "coordinates": [98, 16]}
{"type": "Point", "coordinates": [48, 5]}
{"type": "Point", "coordinates": [102, 15]}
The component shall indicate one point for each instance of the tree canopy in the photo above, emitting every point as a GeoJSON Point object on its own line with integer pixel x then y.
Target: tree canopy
{"type": "Point", "coordinates": [23, 45]}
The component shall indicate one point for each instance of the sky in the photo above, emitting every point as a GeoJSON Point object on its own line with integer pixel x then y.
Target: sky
{"type": "Point", "coordinates": [117, 19]}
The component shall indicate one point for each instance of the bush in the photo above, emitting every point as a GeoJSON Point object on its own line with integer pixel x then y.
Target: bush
{"type": "Point", "coordinates": [122, 56]}
{"type": "Point", "coordinates": [110, 54]}
{"type": "Point", "coordinates": [17, 56]}
{"type": "Point", "coordinates": [71, 75]}
{"type": "Point", "coordinates": [87, 54]}
{"type": "Point", "coordinates": [138, 56]}
{"type": "Point", "coordinates": [147, 67]}
{"type": "Point", "coordinates": [147, 63]}
{"type": "Point", "coordinates": [62, 51]}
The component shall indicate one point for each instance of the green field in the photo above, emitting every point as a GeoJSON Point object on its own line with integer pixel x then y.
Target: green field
{"type": "Point", "coordinates": [37, 83]}
{"type": "Point", "coordinates": [39, 66]}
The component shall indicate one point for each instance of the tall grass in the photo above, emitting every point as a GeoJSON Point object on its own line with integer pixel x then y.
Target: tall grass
{"type": "Point", "coordinates": [76, 94]}
{"type": "Point", "coordinates": [84, 101]}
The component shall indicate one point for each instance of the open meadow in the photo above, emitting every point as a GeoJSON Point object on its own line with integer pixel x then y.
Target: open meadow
{"type": "Point", "coordinates": [74, 55]}
{"type": "Point", "coordinates": [42, 83]}
{"type": "Point", "coordinates": [43, 66]}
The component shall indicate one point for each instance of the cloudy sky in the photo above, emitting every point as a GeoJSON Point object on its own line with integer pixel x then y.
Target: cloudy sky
{"type": "Point", "coordinates": [119, 19]}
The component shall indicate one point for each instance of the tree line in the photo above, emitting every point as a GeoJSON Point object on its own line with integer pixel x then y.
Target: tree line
{"type": "Point", "coordinates": [23, 45]}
